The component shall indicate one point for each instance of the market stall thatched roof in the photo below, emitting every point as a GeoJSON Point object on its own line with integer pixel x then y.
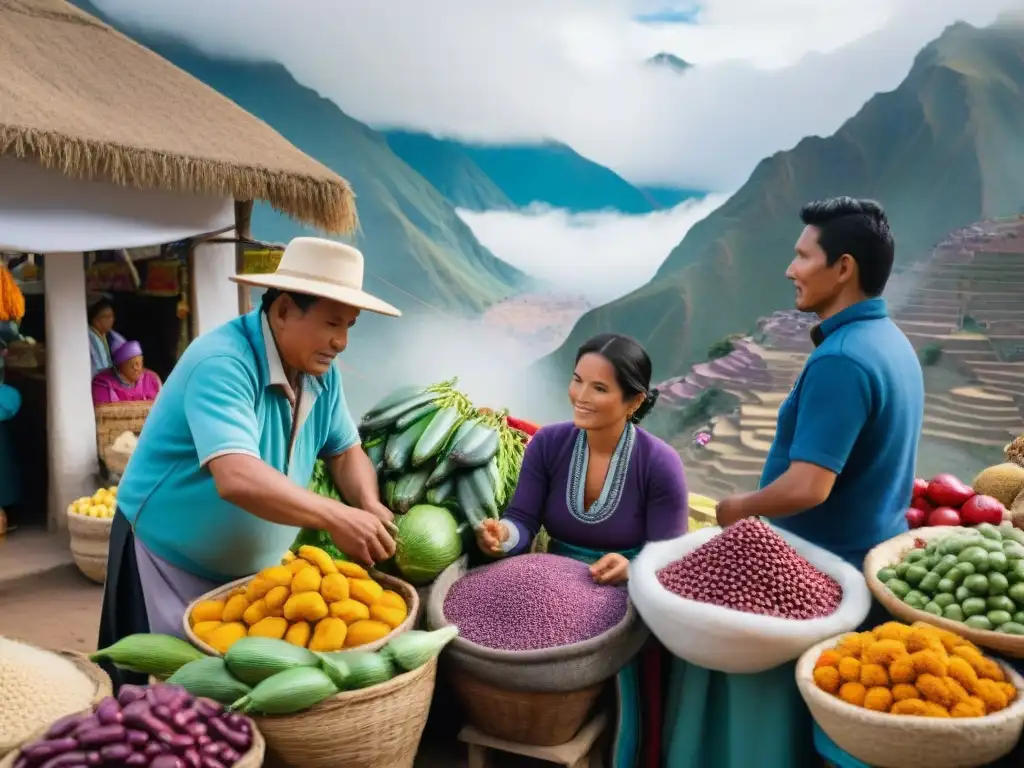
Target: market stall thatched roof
{"type": "Point", "coordinates": [81, 98]}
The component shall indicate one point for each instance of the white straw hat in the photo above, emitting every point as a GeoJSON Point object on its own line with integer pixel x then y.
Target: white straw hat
{"type": "Point", "coordinates": [322, 268]}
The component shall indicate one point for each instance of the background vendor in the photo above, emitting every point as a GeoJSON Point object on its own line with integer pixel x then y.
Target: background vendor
{"type": "Point", "coordinates": [128, 381]}
{"type": "Point", "coordinates": [102, 334]}
{"type": "Point", "coordinates": [602, 488]}
{"type": "Point", "coordinates": [216, 488]}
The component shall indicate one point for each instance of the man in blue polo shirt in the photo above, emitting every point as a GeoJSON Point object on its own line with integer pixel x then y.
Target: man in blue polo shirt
{"type": "Point", "coordinates": [216, 488]}
{"type": "Point", "coordinates": [840, 471]}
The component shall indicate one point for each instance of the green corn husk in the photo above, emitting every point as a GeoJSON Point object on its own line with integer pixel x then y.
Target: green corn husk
{"type": "Point", "coordinates": [211, 679]}
{"type": "Point", "coordinates": [285, 693]}
{"type": "Point", "coordinates": [157, 655]}
{"type": "Point", "coordinates": [412, 649]}
{"type": "Point", "coordinates": [350, 670]}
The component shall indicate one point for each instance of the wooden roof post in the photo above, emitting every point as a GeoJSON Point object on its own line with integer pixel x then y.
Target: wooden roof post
{"type": "Point", "coordinates": [243, 231]}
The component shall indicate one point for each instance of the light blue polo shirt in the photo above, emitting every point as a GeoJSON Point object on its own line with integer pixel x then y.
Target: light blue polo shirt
{"type": "Point", "coordinates": [856, 410]}
{"type": "Point", "coordinates": [227, 394]}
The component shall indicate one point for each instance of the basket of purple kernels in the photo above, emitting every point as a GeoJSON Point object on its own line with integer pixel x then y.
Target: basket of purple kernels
{"type": "Point", "coordinates": [536, 634]}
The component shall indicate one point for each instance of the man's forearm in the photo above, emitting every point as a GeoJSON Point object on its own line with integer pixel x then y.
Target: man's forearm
{"type": "Point", "coordinates": [790, 494]}
{"type": "Point", "coordinates": [262, 491]}
{"type": "Point", "coordinates": [355, 477]}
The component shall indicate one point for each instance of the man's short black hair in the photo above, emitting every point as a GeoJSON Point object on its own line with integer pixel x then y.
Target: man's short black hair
{"type": "Point", "coordinates": [302, 300]}
{"type": "Point", "coordinates": [859, 228]}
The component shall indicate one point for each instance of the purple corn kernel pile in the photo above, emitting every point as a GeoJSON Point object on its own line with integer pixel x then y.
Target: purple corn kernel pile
{"type": "Point", "coordinates": [750, 568]}
{"type": "Point", "coordinates": [530, 602]}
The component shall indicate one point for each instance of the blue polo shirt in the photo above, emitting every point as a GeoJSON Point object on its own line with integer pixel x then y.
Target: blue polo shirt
{"type": "Point", "coordinates": [227, 394]}
{"type": "Point", "coordinates": [856, 410]}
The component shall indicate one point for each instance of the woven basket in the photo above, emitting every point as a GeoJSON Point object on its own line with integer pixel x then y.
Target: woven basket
{"type": "Point", "coordinates": [551, 670]}
{"type": "Point", "coordinates": [535, 718]}
{"type": "Point", "coordinates": [905, 741]}
{"type": "Point", "coordinates": [378, 727]}
{"type": "Point", "coordinates": [90, 543]}
{"type": "Point", "coordinates": [92, 671]}
{"type": "Point", "coordinates": [116, 462]}
{"type": "Point", "coordinates": [112, 421]}
{"type": "Point", "coordinates": [24, 356]}
{"type": "Point", "coordinates": [889, 553]}
{"type": "Point", "coordinates": [406, 590]}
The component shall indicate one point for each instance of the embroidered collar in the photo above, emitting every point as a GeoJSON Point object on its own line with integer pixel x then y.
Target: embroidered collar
{"type": "Point", "coordinates": [869, 309]}
{"type": "Point", "coordinates": [614, 482]}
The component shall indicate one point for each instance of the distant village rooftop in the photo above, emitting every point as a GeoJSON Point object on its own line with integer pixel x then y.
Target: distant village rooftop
{"type": "Point", "coordinates": [80, 98]}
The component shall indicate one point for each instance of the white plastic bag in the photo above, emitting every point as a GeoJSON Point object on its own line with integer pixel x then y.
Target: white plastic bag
{"type": "Point", "coordinates": [732, 641]}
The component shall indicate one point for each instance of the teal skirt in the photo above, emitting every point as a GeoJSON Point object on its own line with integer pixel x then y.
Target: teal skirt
{"type": "Point", "coordinates": [718, 720]}
{"type": "Point", "coordinates": [626, 745]}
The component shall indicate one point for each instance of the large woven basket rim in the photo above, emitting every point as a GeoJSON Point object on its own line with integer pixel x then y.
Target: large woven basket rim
{"type": "Point", "coordinates": [100, 679]}
{"type": "Point", "coordinates": [542, 655]}
{"type": "Point", "coordinates": [254, 757]}
{"type": "Point", "coordinates": [888, 552]}
{"type": "Point", "coordinates": [937, 725]}
{"type": "Point", "coordinates": [408, 592]}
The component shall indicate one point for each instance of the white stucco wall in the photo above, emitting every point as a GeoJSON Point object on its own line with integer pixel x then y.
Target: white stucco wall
{"type": "Point", "coordinates": [216, 297]}
{"type": "Point", "coordinates": [42, 211]}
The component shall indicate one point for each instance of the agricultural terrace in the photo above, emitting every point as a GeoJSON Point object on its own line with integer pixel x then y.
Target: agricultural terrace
{"type": "Point", "coordinates": [962, 308]}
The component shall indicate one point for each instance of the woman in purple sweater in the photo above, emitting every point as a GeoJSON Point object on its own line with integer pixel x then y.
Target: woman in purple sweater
{"type": "Point", "coordinates": [602, 488]}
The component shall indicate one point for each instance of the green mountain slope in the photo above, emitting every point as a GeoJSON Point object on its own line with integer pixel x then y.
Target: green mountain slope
{"type": "Point", "coordinates": [489, 177]}
{"type": "Point", "coordinates": [448, 166]}
{"type": "Point", "coordinates": [419, 253]}
{"type": "Point", "coordinates": [941, 151]}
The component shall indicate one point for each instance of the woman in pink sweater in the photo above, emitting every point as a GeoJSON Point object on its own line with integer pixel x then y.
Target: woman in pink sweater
{"type": "Point", "coordinates": [128, 380]}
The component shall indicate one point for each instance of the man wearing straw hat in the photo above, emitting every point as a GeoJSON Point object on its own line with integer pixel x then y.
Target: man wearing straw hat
{"type": "Point", "coordinates": [216, 488]}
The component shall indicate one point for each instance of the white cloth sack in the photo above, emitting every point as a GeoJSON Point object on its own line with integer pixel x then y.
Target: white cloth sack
{"type": "Point", "coordinates": [732, 641]}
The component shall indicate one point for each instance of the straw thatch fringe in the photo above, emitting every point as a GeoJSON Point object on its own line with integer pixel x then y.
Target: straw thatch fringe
{"type": "Point", "coordinates": [328, 204]}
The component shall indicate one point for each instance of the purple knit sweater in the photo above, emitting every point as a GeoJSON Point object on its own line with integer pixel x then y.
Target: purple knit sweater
{"type": "Point", "coordinates": [645, 501]}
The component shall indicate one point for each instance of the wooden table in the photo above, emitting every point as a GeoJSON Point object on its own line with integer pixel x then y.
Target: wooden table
{"type": "Point", "coordinates": [578, 753]}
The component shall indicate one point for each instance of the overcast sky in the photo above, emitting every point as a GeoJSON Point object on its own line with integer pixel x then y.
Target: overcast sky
{"type": "Point", "coordinates": [768, 73]}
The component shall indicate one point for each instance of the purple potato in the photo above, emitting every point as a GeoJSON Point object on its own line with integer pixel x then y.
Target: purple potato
{"type": "Point", "coordinates": [104, 734]}
{"type": "Point", "coordinates": [44, 750]}
{"type": "Point", "coordinates": [130, 693]}
{"type": "Point", "coordinates": [64, 726]}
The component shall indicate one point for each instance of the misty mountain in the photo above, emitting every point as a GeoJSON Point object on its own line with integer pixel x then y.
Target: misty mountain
{"type": "Point", "coordinates": [669, 61]}
{"type": "Point", "coordinates": [482, 178]}
{"type": "Point", "coordinates": [419, 253]}
{"type": "Point", "coordinates": [941, 151]}
{"type": "Point", "coordinates": [669, 197]}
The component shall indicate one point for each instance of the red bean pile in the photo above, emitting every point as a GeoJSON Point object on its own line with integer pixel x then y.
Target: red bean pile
{"type": "Point", "coordinates": [750, 568]}
{"type": "Point", "coordinates": [157, 726]}
{"type": "Point", "coordinates": [530, 602]}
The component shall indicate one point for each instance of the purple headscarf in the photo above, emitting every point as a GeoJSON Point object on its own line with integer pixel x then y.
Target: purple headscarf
{"type": "Point", "coordinates": [125, 351]}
